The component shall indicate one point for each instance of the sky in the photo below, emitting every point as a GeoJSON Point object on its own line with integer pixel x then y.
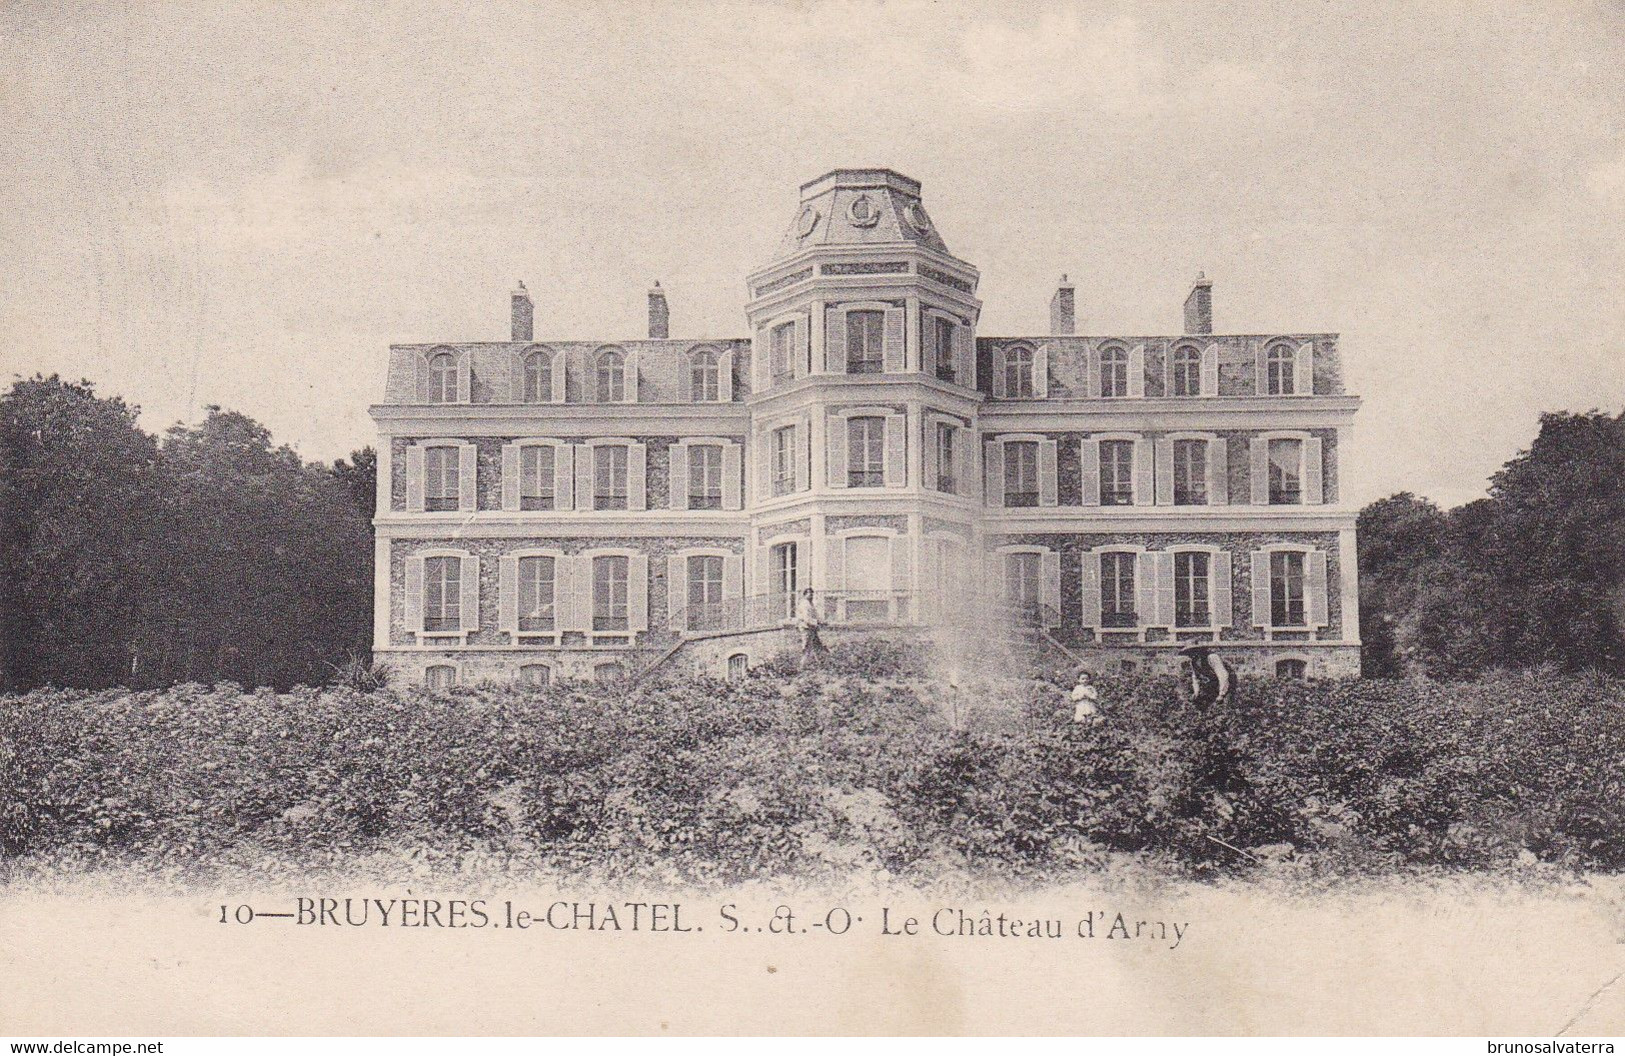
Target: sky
{"type": "Point", "coordinates": [244, 204]}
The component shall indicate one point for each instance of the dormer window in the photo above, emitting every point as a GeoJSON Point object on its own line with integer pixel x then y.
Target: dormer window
{"type": "Point", "coordinates": [705, 376]}
{"type": "Point", "coordinates": [1185, 374]}
{"type": "Point", "coordinates": [1114, 372]}
{"type": "Point", "coordinates": [611, 378]}
{"type": "Point", "coordinates": [1018, 373]}
{"type": "Point", "coordinates": [442, 378]}
{"type": "Point", "coordinates": [865, 343]}
{"type": "Point", "coordinates": [1280, 366]}
{"type": "Point", "coordinates": [538, 378]}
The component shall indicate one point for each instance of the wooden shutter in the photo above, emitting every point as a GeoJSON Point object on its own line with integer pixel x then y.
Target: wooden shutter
{"type": "Point", "coordinates": [801, 437]}
{"type": "Point", "coordinates": [930, 578]}
{"type": "Point", "coordinates": [1261, 588]}
{"type": "Point", "coordinates": [1041, 373]}
{"type": "Point", "coordinates": [637, 476]}
{"type": "Point", "coordinates": [733, 577]}
{"type": "Point", "coordinates": [928, 452]}
{"type": "Point", "coordinates": [1218, 472]}
{"type": "Point", "coordinates": [629, 367]}
{"type": "Point", "coordinates": [1089, 464]}
{"type": "Point", "coordinates": [556, 373]}
{"type": "Point", "coordinates": [762, 464]}
{"type": "Point", "coordinates": [584, 477]}
{"type": "Point", "coordinates": [1315, 589]}
{"type": "Point", "coordinates": [1261, 381]}
{"type": "Point", "coordinates": [1210, 370]}
{"type": "Point", "coordinates": [676, 590]}
{"type": "Point", "coordinates": [414, 479]}
{"type": "Point", "coordinates": [510, 476]}
{"type": "Point", "coordinates": [963, 458]}
{"type": "Point", "coordinates": [1136, 371]}
{"type": "Point", "coordinates": [761, 375]}
{"type": "Point", "coordinates": [468, 459]}
{"type": "Point", "coordinates": [470, 582]}
{"type": "Point", "coordinates": [1303, 370]}
{"type": "Point", "coordinates": [1165, 471]}
{"type": "Point", "coordinates": [1143, 473]}
{"type": "Point", "coordinates": [733, 476]}
{"type": "Point", "coordinates": [637, 592]}
{"type": "Point", "coordinates": [1048, 472]}
{"type": "Point", "coordinates": [508, 594]}
{"type": "Point", "coordinates": [998, 372]}
{"type": "Point", "coordinates": [1049, 587]}
{"type": "Point", "coordinates": [725, 378]}
{"type": "Point", "coordinates": [964, 357]}
{"type": "Point", "coordinates": [1223, 606]}
{"type": "Point", "coordinates": [837, 452]}
{"type": "Point", "coordinates": [516, 377]}
{"type": "Point", "coordinates": [902, 570]}
{"type": "Point", "coordinates": [465, 377]}
{"type": "Point", "coordinates": [1314, 490]}
{"type": "Point", "coordinates": [834, 565]}
{"type": "Point", "coordinates": [1259, 474]}
{"type": "Point", "coordinates": [892, 343]}
{"type": "Point", "coordinates": [1165, 588]}
{"type": "Point", "coordinates": [994, 465]}
{"type": "Point", "coordinates": [677, 476]}
{"type": "Point", "coordinates": [572, 593]}
{"type": "Point", "coordinates": [896, 435]}
{"type": "Point", "coordinates": [1091, 589]}
{"type": "Point", "coordinates": [800, 347]}
{"type": "Point", "coordinates": [1092, 368]}
{"type": "Point", "coordinates": [685, 377]}
{"type": "Point", "coordinates": [413, 599]}
{"type": "Point", "coordinates": [564, 477]}
{"type": "Point", "coordinates": [421, 376]}
{"type": "Point", "coordinates": [835, 341]}
{"type": "Point", "coordinates": [1145, 588]}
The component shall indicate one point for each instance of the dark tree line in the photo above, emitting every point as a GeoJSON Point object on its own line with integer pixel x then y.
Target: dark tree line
{"type": "Point", "coordinates": [1534, 574]}
{"type": "Point", "coordinates": [208, 554]}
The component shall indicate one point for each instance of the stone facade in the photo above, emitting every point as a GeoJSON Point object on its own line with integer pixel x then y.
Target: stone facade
{"type": "Point", "coordinates": [864, 441]}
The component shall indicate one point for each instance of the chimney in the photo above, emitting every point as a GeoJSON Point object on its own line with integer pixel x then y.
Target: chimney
{"type": "Point", "coordinates": [1199, 307]}
{"type": "Point", "coordinates": [523, 315]}
{"type": "Point", "coordinates": [1063, 309]}
{"type": "Point", "coordinates": [659, 314]}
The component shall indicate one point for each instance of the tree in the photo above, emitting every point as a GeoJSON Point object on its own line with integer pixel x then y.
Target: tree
{"type": "Point", "coordinates": [81, 487]}
{"type": "Point", "coordinates": [360, 477]}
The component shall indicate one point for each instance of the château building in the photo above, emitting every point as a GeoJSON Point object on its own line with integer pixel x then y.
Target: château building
{"type": "Point", "coordinates": [565, 508]}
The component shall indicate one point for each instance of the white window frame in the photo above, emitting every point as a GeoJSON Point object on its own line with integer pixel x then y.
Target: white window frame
{"type": "Point", "coordinates": [933, 354]}
{"type": "Point", "coordinates": [468, 621]}
{"type": "Point", "coordinates": [1173, 371]}
{"type": "Point", "coordinates": [1049, 577]}
{"type": "Point", "coordinates": [1214, 624]}
{"type": "Point", "coordinates": [554, 392]}
{"type": "Point", "coordinates": [461, 378]}
{"type": "Point", "coordinates": [1315, 623]}
{"type": "Point", "coordinates": [693, 465]}
{"type": "Point", "coordinates": [1132, 440]}
{"type": "Point", "coordinates": [1100, 372]}
{"type": "Point", "coordinates": [713, 390]}
{"type": "Point", "coordinates": [1268, 386]}
{"type": "Point", "coordinates": [1134, 553]}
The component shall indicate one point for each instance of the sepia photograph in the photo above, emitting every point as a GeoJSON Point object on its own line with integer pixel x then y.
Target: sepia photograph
{"type": "Point", "coordinates": [808, 518]}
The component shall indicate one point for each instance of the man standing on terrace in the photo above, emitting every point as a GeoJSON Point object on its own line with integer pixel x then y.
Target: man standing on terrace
{"type": "Point", "coordinates": [808, 619]}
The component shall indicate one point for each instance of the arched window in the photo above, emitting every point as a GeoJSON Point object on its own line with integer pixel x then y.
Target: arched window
{"type": "Point", "coordinates": [613, 671]}
{"type": "Point", "coordinates": [1278, 369]}
{"type": "Point", "coordinates": [443, 378]}
{"type": "Point", "coordinates": [538, 377]}
{"type": "Point", "coordinates": [1291, 669]}
{"type": "Point", "coordinates": [1114, 372]}
{"type": "Point", "coordinates": [611, 377]}
{"type": "Point", "coordinates": [738, 666]}
{"type": "Point", "coordinates": [439, 676]}
{"type": "Point", "coordinates": [705, 376]}
{"type": "Point", "coordinates": [535, 675]}
{"type": "Point", "coordinates": [1186, 372]}
{"type": "Point", "coordinates": [1018, 373]}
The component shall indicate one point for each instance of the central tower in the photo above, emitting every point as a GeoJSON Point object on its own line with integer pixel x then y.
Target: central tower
{"type": "Point", "coordinates": [863, 466]}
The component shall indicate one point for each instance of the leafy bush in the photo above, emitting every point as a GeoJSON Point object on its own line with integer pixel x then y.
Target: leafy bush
{"type": "Point", "coordinates": [862, 765]}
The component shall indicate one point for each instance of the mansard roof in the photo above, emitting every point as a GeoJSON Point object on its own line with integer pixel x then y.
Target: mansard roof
{"type": "Point", "coordinates": [855, 207]}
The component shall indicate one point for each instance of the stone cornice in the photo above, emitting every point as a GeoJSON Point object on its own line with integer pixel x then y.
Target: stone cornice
{"type": "Point", "coordinates": [561, 419]}
{"type": "Point", "coordinates": [1162, 413]}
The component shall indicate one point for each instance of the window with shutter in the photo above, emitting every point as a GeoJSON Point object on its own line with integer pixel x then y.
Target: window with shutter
{"type": "Point", "coordinates": [538, 477]}
{"type": "Point", "coordinates": [782, 578]}
{"type": "Point", "coordinates": [704, 376]}
{"type": "Point", "coordinates": [609, 467]}
{"type": "Point", "coordinates": [705, 596]}
{"type": "Point", "coordinates": [1285, 472]}
{"type": "Point", "coordinates": [537, 583]}
{"type": "Point", "coordinates": [1192, 596]}
{"type": "Point", "coordinates": [1114, 372]}
{"type": "Point", "coordinates": [705, 477]}
{"type": "Point", "coordinates": [946, 465]}
{"type": "Point", "coordinates": [1190, 471]}
{"type": "Point", "coordinates": [942, 347]}
{"type": "Point", "coordinates": [537, 378]}
{"type": "Point", "coordinates": [866, 452]}
{"type": "Point", "coordinates": [442, 378]}
{"type": "Point", "coordinates": [1280, 371]}
{"type": "Point", "coordinates": [611, 378]}
{"type": "Point", "coordinates": [442, 477]}
{"type": "Point", "coordinates": [1020, 473]}
{"type": "Point", "coordinates": [442, 595]}
{"type": "Point", "coordinates": [610, 593]}
{"type": "Point", "coordinates": [1118, 589]}
{"type": "Point", "coordinates": [1023, 585]}
{"type": "Point", "coordinates": [1287, 607]}
{"type": "Point", "coordinates": [1018, 374]}
{"type": "Point", "coordinates": [782, 443]}
{"type": "Point", "coordinates": [1116, 472]}
{"type": "Point", "coordinates": [865, 342]}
